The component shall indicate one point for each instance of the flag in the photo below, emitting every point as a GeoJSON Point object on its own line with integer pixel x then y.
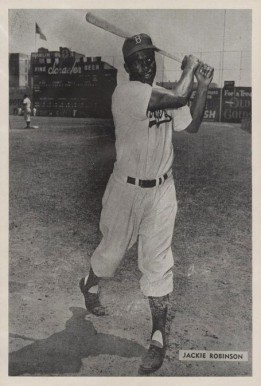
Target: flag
{"type": "Point", "coordinates": [39, 31]}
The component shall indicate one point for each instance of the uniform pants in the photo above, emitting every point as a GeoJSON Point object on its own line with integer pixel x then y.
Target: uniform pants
{"type": "Point", "coordinates": [132, 213]}
{"type": "Point", "coordinates": [27, 115]}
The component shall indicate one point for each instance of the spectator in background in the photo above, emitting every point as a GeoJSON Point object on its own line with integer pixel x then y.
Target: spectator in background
{"type": "Point", "coordinates": [27, 110]}
{"type": "Point", "coordinates": [34, 111]}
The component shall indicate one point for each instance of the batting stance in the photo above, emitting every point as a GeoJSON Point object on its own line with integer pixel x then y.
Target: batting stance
{"type": "Point", "coordinates": [139, 202]}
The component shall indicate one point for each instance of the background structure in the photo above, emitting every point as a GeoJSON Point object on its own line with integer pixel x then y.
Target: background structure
{"type": "Point", "coordinates": [220, 37]}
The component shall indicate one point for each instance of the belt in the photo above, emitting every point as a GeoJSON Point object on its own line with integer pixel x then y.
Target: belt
{"type": "Point", "coordinates": [147, 183]}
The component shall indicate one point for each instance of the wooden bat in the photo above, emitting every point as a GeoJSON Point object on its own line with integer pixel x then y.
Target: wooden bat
{"type": "Point", "coordinates": [105, 25]}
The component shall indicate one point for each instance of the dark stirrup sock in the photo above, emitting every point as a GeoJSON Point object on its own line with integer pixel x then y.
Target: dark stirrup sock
{"type": "Point", "coordinates": [159, 309]}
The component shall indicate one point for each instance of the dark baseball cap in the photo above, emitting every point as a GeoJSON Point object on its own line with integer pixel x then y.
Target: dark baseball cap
{"type": "Point", "coordinates": [137, 43]}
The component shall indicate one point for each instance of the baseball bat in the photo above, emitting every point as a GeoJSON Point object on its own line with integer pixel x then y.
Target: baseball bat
{"type": "Point", "coordinates": [105, 25]}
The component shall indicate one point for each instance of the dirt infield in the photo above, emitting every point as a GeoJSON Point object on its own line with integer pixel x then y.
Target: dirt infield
{"type": "Point", "coordinates": [57, 174]}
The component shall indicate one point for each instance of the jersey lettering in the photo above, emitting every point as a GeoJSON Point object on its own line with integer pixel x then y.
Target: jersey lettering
{"type": "Point", "coordinates": [158, 117]}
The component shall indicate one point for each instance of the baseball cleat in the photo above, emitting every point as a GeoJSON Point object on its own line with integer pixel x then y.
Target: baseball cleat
{"type": "Point", "coordinates": [152, 360]}
{"type": "Point", "coordinates": [92, 301]}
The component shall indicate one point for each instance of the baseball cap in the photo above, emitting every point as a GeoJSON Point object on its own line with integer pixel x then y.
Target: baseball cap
{"type": "Point", "coordinates": [137, 43]}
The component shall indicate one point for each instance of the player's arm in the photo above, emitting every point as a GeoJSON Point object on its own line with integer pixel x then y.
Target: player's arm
{"type": "Point", "coordinates": [177, 97]}
{"type": "Point", "coordinates": [204, 75]}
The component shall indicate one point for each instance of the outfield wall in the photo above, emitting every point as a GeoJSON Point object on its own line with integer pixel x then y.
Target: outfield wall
{"type": "Point", "coordinates": [232, 105]}
{"type": "Point", "coordinates": [229, 105]}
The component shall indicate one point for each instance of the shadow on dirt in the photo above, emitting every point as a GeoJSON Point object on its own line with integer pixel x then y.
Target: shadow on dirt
{"type": "Point", "coordinates": [62, 352]}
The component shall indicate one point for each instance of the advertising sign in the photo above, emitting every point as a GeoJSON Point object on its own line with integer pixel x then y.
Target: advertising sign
{"type": "Point", "coordinates": [236, 104]}
{"type": "Point", "coordinates": [211, 113]}
{"type": "Point", "coordinates": [229, 83]}
{"type": "Point", "coordinates": [73, 86]}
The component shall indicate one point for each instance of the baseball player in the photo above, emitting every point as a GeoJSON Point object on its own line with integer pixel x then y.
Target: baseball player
{"type": "Point", "coordinates": [139, 202]}
{"type": "Point", "coordinates": [27, 110]}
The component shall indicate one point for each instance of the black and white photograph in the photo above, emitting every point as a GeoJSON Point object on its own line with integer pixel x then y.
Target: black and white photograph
{"type": "Point", "coordinates": [130, 192]}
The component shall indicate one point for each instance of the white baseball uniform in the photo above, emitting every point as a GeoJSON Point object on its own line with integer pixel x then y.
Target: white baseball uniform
{"type": "Point", "coordinates": [27, 109]}
{"type": "Point", "coordinates": [130, 212]}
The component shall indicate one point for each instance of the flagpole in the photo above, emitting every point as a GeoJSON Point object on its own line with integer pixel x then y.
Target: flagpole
{"type": "Point", "coordinates": [222, 65]}
{"type": "Point", "coordinates": [35, 36]}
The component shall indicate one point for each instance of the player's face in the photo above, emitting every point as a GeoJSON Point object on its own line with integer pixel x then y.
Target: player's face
{"type": "Point", "coordinates": [141, 66]}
